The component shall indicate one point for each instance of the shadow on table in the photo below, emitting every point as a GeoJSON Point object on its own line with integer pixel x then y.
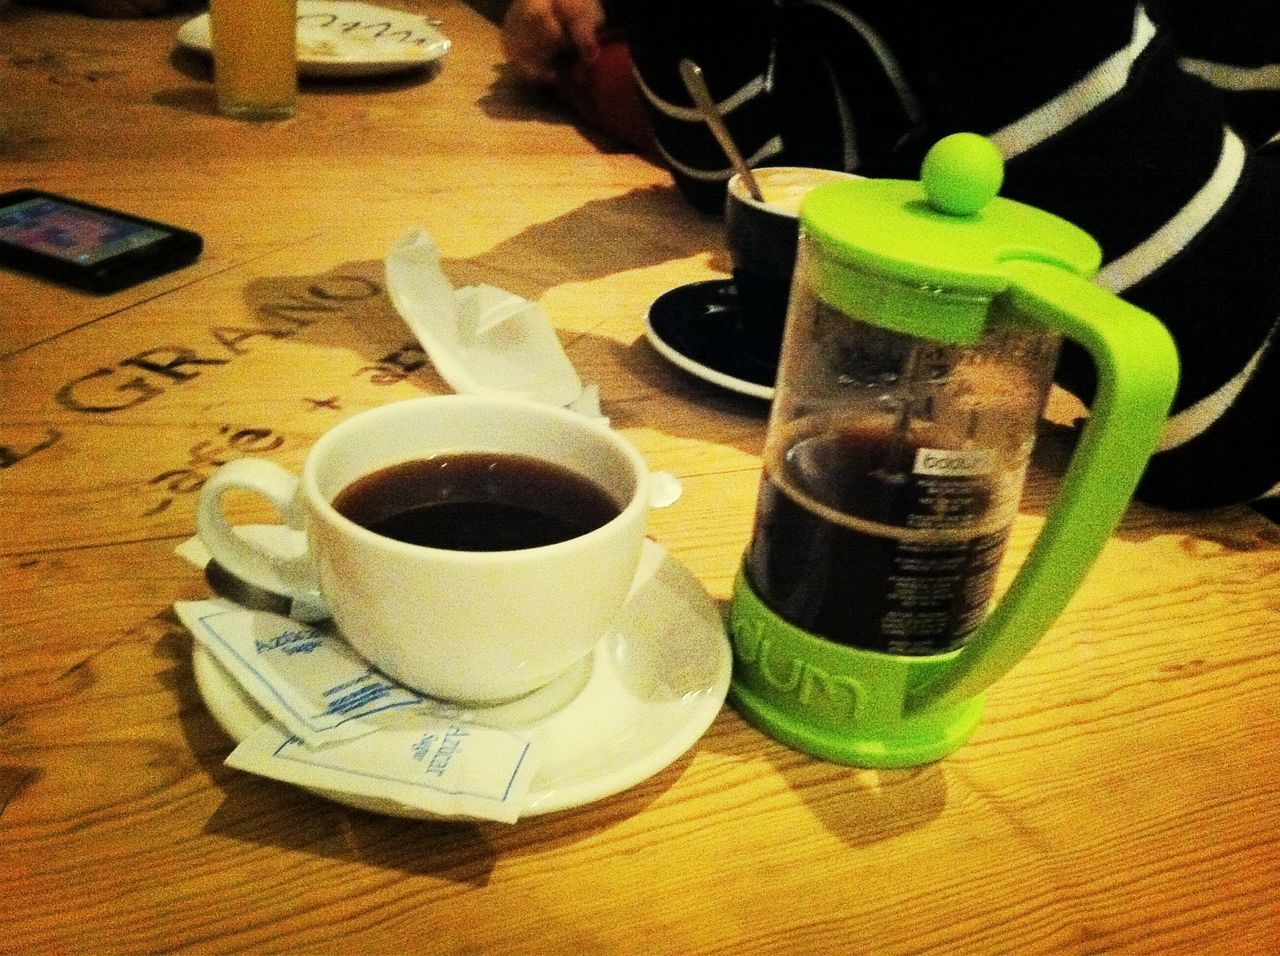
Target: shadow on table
{"type": "Point", "coordinates": [347, 308]}
{"type": "Point", "coordinates": [864, 807]}
{"type": "Point", "coordinates": [600, 238]}
{"type": "Point", "coordinates": [640, 229]}
{"type": "Point", "coordinates": [14, 779]}
{"type": "Point", "coordinates": [860, 807]}
{"type": "Point", "coordinates": [510, 98]}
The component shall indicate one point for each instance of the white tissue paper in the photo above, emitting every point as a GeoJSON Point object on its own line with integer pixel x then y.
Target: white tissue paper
{"type": "Point", "coordinates": [482, 339]}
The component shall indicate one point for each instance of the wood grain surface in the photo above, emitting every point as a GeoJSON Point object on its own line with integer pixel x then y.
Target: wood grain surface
{"type": "Point", "coordinates": [1121, 794]}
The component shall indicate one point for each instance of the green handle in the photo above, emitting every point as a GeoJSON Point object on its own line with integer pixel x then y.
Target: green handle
{"type": "Point", "coordinates": [1137, 370]}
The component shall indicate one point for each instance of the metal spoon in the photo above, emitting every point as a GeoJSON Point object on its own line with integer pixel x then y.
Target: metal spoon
{"type": "Point", "coordinates": [691, 73]}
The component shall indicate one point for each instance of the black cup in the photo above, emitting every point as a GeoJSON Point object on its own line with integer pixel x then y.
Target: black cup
{"type": "Point", "coordinates": [762, 239]}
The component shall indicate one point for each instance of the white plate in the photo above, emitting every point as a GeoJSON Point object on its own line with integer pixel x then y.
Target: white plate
{"type": "Point", "coordinates": [337, 38]}
{"type": "Point", "coordinates": [651, 689]}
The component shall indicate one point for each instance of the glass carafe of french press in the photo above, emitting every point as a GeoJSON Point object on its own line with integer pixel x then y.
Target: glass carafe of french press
{"type": "Point", "coordinates": [923, 328]}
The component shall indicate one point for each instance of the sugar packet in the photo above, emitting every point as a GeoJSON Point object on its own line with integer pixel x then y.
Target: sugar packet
{"type": "Point", "coordinates": [307, 678]}
{"type": "Point", "coordinates": [448, 769]}
{"type": "Point", "coordinates": [344, 729]}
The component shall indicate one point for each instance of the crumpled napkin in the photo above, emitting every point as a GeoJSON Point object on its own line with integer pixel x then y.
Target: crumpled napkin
{"type": "Point", "coordinates": [486, 340]}
{"type": "Point", "coordinates": [482, 339]}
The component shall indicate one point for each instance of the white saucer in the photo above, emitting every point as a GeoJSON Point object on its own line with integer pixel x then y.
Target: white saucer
{"type": "Point", "coordinates": [653, 686]}
{"type": "Point", "coordinates": [342, 38]}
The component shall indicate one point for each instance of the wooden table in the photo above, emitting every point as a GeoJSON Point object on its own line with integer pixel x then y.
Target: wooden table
{"type": "Point", "coordinates": [1120, 795]}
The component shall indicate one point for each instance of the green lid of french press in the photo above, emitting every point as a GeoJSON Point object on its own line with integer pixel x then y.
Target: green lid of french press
{"type": "Point", "coordinates": [924, 257]}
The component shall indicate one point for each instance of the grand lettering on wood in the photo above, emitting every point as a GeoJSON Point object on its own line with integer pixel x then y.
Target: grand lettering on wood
{"type": "Point", "coordinates": [148, 374]}
{"type": "Point", "coordinates": [141, 377]}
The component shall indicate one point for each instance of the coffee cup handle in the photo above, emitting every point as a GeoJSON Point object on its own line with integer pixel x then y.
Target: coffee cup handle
{"type": "Point", "coordinates": [277, 562]}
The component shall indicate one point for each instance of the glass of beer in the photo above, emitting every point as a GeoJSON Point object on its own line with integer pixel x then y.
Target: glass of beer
{"type": "Point", "coordinates": [255, 61]}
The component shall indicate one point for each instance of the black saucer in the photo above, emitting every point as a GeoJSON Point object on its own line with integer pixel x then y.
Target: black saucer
{"type": "Point", "coordinates": [698, 327]}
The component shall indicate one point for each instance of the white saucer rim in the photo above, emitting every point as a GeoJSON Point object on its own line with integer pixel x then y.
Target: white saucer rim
{"type": "Point", "coordinates": [194, 35]}
{"type": "Point", "coordinates": [221, 699]}
{"type": "Point", "coordinates": [695, 368]}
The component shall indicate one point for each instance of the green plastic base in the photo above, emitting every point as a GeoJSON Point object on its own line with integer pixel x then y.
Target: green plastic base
{"type": "Point", "coordinates": [839, 703]}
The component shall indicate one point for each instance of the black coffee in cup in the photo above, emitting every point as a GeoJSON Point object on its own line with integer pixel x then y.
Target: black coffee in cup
{"type": "Point", "coordinates": [477, 501]}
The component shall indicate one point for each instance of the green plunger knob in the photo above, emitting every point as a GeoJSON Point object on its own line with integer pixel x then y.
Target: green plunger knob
{"type": "Point", "coordinates": [962, 173]}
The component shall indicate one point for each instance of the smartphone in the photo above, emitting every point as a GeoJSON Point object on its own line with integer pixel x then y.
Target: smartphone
{"type": "Point", "coordinates": [87, 246]}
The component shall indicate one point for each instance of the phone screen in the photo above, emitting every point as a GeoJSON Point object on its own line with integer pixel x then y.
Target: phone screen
{"type": "Point", "coordinates": [72, 233]}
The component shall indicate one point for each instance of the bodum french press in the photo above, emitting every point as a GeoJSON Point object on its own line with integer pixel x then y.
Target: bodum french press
{"type": "Point", "coordinates": [922, 332]}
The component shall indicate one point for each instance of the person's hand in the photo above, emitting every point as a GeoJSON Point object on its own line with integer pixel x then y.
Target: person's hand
{"type": "Point", "coordinates": [539, 36]}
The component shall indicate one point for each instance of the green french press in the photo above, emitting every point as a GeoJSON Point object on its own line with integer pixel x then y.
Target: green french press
{"type": "Point", "coordinates": [922, 331]}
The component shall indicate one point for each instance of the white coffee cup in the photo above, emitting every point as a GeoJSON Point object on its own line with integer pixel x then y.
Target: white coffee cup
{"type": "Point", "coordinates": [470, 626]}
